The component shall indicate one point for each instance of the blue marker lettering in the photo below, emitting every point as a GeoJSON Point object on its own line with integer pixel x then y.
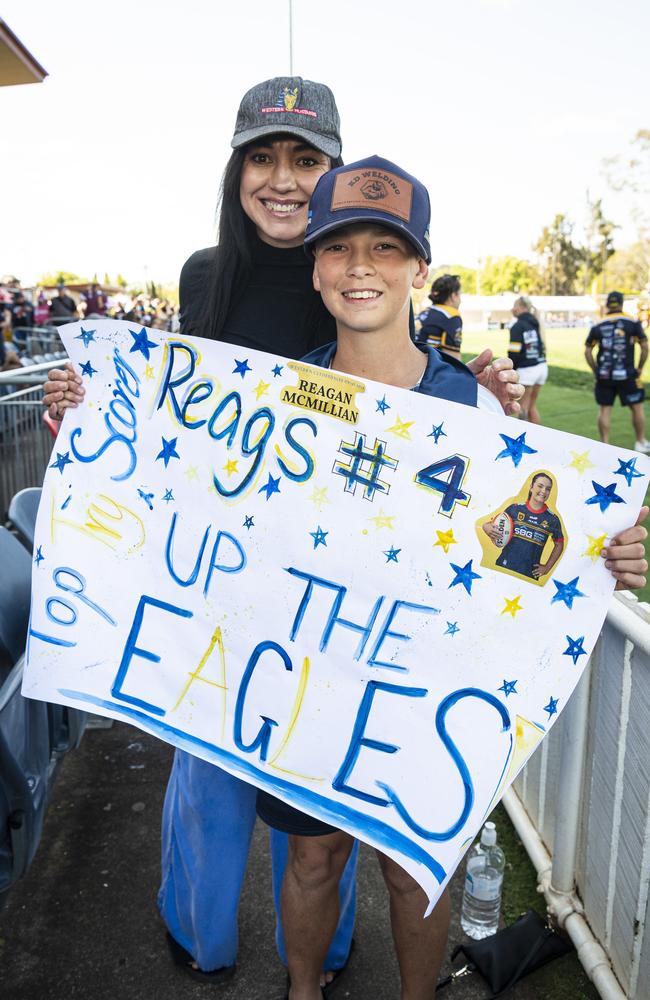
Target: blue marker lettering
{"type": "Point", "coordinates": [198, 393]}
{"type": "Point", "coordinates": [224, 567]}
{"type": "Point", "coordinates": [298, 477]}
{"type": "Point", "coordinates": [168, 385]}
{"type": "Point", "coordinates": [364, 630]}
{"type": "Point", "coordinates": [306, 597]}
{"type": "Point", "coordinates": [264, 734]}
{"type": "Point", "coordinates": [230, 429]}
{"type": "Point", "coordinates": [169, 554]}
{"type": "Point", "coordinates": [131, 650]}
{"type": "Point", "coordinates": [385, 632]}
{"type": "Point", "coordinates": [126, 380]}
{"type": "Point", "coordinates": [358, 740]}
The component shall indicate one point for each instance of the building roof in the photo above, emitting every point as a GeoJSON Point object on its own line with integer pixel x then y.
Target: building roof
{"type": "Point", "coordinates": [17, 64]}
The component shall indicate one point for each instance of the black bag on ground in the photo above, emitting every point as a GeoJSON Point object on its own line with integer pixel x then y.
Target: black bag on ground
{"type": "Point", "coordinates": [512, 953]}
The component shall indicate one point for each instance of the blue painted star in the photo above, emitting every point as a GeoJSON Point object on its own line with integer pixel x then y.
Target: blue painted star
{"type": "Point", "coordinates": [465, 575]}
{"type": "Point", "coordinates": [567, 592]}
{"type": "Point", "coordinates": [509, 687]}
{"type": "Point", "coordinates": [277, 370]}
{"type": "Point", "coordinates": [382, 405]}
{"type": "Point", "coordinates": [86, 336]}
{"type": "Point", "coordinates": [147, 497]}
{"type": "Point", "coordinates": [249, 522]}
{"type": "Point", "coordinates": [628, 470]}
{"type": "Point", "coordinates": [241, 367]}
{"type": "Point", "coordinates": [88, 369]}
{"type": "Point", "coordinates": [168, 451]}
{"type": "Point", "coordinates": [142, 343]}
{"type": "Point", "coordinates": [575, 648]}
{"type": "Point", "coordinates": [604, 495]}
{"type": "Point", "coordinates": [271, 487]}
{"type": "Point", "coordinates": [515, 448]}
{"type": "Point", "coordinates": [452, 628]}
{"type": "Point", "coordinates": [168, 496]}
{"type": "Point", "coordinates": [437, 432]}
{"type": "Point", "coordinates": [319, 536]}
{"type": "Point", "coordinates": [392, 554]}
{"type": "Point", "coordinates": [39, 557]}
{"type": "Point", "coordinates": [61, 461]}
{"type": "Point", "coordinates": [551, 708]}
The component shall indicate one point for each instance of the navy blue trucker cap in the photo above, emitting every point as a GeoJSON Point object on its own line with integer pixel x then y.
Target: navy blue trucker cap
{"type": "Point", "coordinates": [615, 299]}
{"type": "Point", "coordinates": [371, 190]}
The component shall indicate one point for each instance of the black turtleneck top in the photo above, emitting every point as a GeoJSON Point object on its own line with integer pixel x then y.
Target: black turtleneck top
{"type": "Point", "coordinates": [277, 311]}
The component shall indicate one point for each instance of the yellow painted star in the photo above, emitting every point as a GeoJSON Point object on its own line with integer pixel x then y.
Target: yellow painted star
{"type": "Point", "coordinates": [445, 538]}
{"type": "Point", "coordinates": [512, 606]}
{"type": "Point", "coordinates": [580, 462]}
{"type": "Point", "coordinates": [191, 472]}
{"type": "Point", "coordinates": [149, 372]}
{"type": "Point", "coordinates": [383, 520]}
{"type": "Point", "coordinates": [401, 428]}
{"type": "Point", "coordinates": [319, 497]}
{"type": "Point", "coordinates": [261, 389]}
{"type": "Point", "coordinates": [230, 466]}
{"type": "Point", "coordinates": [595, 547]}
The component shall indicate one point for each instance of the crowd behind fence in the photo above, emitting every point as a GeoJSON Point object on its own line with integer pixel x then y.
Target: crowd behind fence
{"type": "Point", "coordinates": [25, 441]}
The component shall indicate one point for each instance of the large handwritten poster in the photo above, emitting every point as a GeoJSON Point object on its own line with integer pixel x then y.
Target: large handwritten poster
{"type": "Point", "coordinates": [369, 602]}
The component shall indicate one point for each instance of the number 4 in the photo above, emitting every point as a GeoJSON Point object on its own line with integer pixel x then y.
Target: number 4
{"type": "Point", "coordinates": [456, 466]}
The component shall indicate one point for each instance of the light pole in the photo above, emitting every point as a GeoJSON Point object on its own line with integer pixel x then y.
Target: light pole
{"type": "Point", "coordinates": [290, 38]}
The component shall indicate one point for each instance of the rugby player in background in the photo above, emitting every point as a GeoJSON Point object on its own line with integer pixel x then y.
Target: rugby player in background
{"type": "Point", "coordinates": [614, 367]}
{"type": "Point", "coordinates": [442, 326]}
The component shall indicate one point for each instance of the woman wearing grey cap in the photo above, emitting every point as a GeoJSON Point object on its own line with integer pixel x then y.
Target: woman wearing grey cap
{"type": "Point", "coordinates": [255, 290]}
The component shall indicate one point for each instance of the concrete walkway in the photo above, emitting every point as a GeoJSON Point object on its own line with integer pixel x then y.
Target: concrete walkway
{"type": "Point", "coordinates": [84, 924]}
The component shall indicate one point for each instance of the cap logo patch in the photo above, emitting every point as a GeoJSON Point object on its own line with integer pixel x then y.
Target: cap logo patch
{"type": "Point", "coordinates": [287, 100]}
{"type": "Point", "coordinates": [374, 190]}
{"type": "Point", "coordinates": [365, 188]}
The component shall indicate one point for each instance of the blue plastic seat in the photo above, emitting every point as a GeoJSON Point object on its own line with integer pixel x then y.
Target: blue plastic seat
{"type": "Point", "coordinates": [15, 591]}
{"type": "Point", "coordinates": [22, 513]}
{"type": "Point", "coordinates": [24, 725]}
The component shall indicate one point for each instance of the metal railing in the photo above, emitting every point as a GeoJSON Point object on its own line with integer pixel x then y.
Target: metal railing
{"type": "Point", "coordinates": [582, 808]}
{"type": "Point", "coordinates": [25, 441]}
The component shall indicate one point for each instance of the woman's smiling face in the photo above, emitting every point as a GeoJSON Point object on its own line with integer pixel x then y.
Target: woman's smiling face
{"type": "Point", "coordinates": [277, 180]}
{"type": "Point", "coordinates": [540, 491]}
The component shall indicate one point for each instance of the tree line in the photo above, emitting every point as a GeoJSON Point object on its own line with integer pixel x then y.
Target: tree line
{"type": "Point", "coordinates": [567, 264]}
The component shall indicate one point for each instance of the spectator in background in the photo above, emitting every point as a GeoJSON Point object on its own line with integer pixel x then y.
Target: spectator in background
{"type": "Point", "coordinates": [616, 371]}
{"type": "Point", "coordinates": [22, 313]}
{"type": "Point", "coordinates": [63, 306]}
{"type": "Point", "coordinates": [41, 310]}
{"type": "Point", "coordinates": [442, 326]}
{"type": "Point", "coordinates": [95, 301]}
{"type": "Point", "coordinates": [527, 352]}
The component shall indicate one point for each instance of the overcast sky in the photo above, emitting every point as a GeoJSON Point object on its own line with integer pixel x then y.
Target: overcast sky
{"type": "Point", "coordinates": [504, 108]}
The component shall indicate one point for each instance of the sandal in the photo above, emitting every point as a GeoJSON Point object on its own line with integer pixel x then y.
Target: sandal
{"type": "Point", "coordinates": [185, 961]}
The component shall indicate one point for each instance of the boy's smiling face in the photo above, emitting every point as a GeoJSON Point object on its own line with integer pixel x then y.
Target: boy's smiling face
{"type": "Point", "coordinates": [365, 274]}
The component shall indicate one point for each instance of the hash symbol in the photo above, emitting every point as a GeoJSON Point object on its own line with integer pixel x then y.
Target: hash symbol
{"type": "Point", "coordinates": [364, 466]}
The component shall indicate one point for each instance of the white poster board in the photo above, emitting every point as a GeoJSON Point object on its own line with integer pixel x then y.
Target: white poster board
{"type": "Point", "coordinates": [285, 571]}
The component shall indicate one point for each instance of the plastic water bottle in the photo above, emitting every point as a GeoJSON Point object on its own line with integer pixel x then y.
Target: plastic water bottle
{"type": "Point", "coordinates": [483, 883]}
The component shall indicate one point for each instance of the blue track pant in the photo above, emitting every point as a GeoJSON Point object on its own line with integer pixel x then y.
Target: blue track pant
{"type": "Point", "coordinates": [207, 824]}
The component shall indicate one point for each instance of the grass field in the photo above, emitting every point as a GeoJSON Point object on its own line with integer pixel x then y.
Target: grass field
{"type": "Point", "coordinates": [567, 401]}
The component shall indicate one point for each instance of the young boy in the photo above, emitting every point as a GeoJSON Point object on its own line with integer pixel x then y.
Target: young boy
{"type": "Point", "coordinates": [368, 232]}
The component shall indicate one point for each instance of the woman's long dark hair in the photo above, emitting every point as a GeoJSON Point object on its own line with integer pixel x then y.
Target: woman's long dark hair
{"type": "Point", "coordinates": [234, 260]}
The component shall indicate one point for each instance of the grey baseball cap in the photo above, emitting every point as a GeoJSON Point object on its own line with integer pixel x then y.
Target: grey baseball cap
{"type": "Point", "coordinates": [292, 106]}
